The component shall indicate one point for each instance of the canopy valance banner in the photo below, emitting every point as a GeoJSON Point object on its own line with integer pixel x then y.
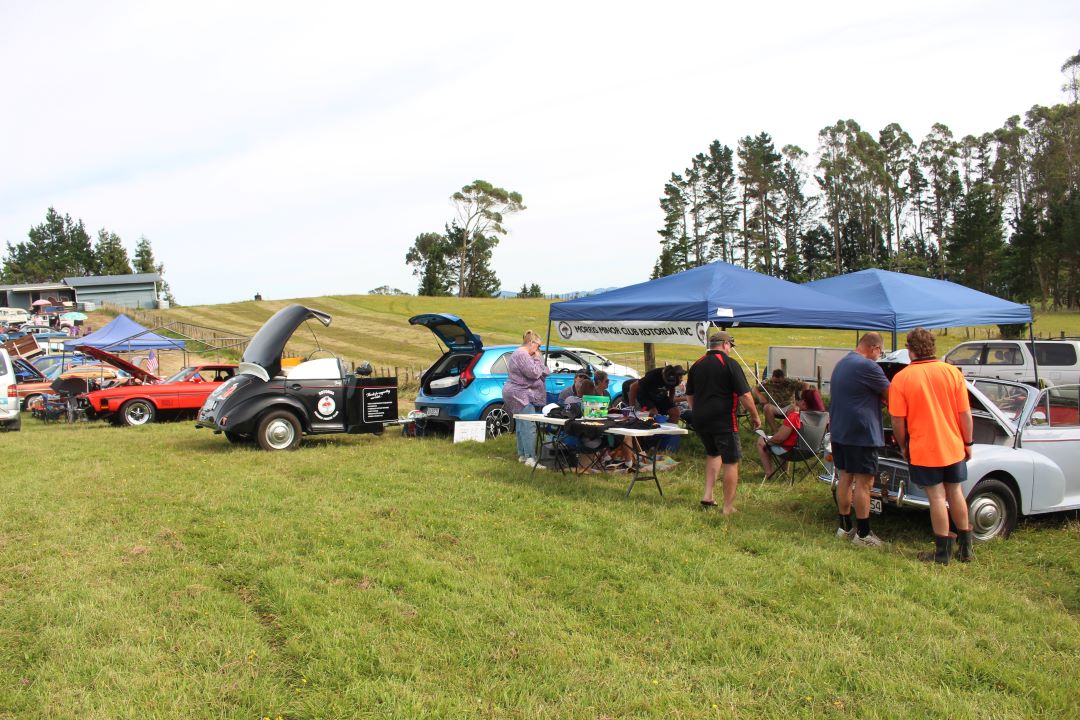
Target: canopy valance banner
{"type": "Point", "coordinates": [651, 331]}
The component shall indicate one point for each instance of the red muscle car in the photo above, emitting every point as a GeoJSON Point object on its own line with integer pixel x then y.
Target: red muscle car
{"type": "Point", "coordinates": [146, 398]}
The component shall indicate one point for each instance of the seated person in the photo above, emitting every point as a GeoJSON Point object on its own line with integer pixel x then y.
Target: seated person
{"type": "Point", "coordinates": [776, 396]}
{"type": "Point", "coordinates": [586, 447]}
{"type": "Point", "coordinates": [574, 389]}
{"type": "Point", "coordinates": [600, 380]}
{"type": "Point", "coordinates": [655, 391]}
{"type": "Point", "coordinates": [787, 436]}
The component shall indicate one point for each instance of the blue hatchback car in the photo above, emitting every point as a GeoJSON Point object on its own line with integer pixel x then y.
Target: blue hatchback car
{"type": "Point", "coordinates": [466, 382]}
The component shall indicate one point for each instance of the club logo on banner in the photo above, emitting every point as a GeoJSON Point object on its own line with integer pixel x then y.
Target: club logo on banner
{"type": "Point", "coordinates": [679, 333]}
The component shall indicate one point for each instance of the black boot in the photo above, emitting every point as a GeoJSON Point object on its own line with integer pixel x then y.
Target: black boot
{"type": "Point", "coordinates": [965, 551]}
{"type": "Point", "coordinates": [942, 550]}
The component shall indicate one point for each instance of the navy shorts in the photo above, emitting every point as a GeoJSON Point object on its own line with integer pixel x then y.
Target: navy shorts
{"type": "Point", "coordinates": [929, 476]}
{"type": "Point", "coordinates": [855, 459]}
{"type": "Point", "coordinates": [724, 445]}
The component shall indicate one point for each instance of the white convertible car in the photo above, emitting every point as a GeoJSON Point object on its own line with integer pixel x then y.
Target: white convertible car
{"type": "Point", "coordinates": [1025, 460]}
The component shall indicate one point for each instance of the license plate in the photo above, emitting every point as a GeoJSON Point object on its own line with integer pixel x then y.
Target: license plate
{"type": "Point", "coordinates": [432, 411]}
{"type": "Point", "coordinates": [875, 506]}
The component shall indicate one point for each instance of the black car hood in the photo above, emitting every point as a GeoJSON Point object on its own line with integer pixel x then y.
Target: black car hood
{"type": "Point", "coordinates": [266, 347]}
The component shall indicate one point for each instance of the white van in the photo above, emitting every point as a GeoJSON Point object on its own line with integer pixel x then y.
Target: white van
{"type": "Point", "coordinates": [9, 398]}
{"type": "Point", "coordinates": [1059, 360]}
{"type": "Point", "coordinates": [16, 316]}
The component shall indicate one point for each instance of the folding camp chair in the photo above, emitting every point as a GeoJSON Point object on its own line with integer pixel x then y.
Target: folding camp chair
{"type": "Point", "coordinates": [808, 448]}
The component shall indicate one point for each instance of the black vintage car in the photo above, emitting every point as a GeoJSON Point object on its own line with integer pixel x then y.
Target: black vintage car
{"type": "Point", "coordinates": [275, 406]}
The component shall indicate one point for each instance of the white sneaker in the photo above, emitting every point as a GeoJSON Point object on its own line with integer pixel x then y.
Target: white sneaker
{"type": "Point", "coordinates": [521, 458]}
{"type": "Point", "coordinates": [531, 462]}
{"type": "Point", "coordinates": [845, 534]}
{"type": "Point", "coordinates": [870, 541]}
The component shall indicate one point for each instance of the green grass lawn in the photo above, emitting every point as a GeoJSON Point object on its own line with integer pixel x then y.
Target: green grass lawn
{"type": "Point", "coordinates": [160, 572]}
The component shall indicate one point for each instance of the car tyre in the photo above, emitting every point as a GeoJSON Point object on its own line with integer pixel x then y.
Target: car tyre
{"type": "Point", "coordinates": [278, 430]}
{"type": "Point", "coordinates": [137, 412]}
{"type": "Point", "coordinates": [992, 510]}
{"type": "Point", "coordinates": [27, 400]}
{"type": "Point", "coordinates": [498, 420]}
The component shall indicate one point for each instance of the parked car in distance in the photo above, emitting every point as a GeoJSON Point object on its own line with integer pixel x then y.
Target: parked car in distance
{"type": "Point", "coordinates": [37, 383]}
{"type": "Point", "coordinates": [1058, 360]}
{"type": "Point", "coordinates": [13, 316]}
{"type": "Point", "coordinates": [275, 406]}
{"type": "Point", "coordinates": [10, 418]}
{"type": "Point", "coordinates": [1025, 459]}
{"type": "Point", "coordinates": [466, 382]}
{"type": "Point", "coordinates": [599, 362]}
{"type": "Point", "coordinates": [45, 363]}
{"type": "Point", "coordinates": [147, 398]}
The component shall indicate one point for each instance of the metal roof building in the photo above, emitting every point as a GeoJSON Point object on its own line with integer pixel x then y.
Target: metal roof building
{"type": "Point", "coordinates": [138, 290]}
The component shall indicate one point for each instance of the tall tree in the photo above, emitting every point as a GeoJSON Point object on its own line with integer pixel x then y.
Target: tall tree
{"type": "Point", "coordinates": [898, 151]}
{"type": "Point", "coordinates": [851, 176]}
{"type": "Point", "coordinates": [59, 247]}
{"type": "Point", "coordinates": [675, 234]}
{"type": "Point", "coordinates": [480, 209]}
{"type": "Point", "coordinates": [759, 173]}
{"type": "Point", "coordinates": [109, 254]}
{"type": "Point", "coordinates": [721, 198]}
{"type": "Point", "coordinates": [797, 212]}
{"type": "Point", "coordinates": [144, 256]}
{"type": "Point", "coordinates": [937, 155]}
{"type": "Point", "coordinates": [145, 263]}
{"type": "Point", "coordinates": [975, 241]}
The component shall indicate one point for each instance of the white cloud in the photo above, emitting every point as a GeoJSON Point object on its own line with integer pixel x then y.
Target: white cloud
{"type": "Point", "coordinates": [298, 150]}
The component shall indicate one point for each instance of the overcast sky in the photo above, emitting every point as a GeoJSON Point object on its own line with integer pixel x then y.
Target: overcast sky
{"type": "Point", "coordinates": [297, 149]}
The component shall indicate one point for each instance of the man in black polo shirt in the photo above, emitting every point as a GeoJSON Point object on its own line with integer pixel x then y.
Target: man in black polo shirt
{"type": "Point", "coordinates": [714, 386]}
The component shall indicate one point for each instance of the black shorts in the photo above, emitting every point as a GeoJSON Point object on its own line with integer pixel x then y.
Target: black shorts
{"type": "Point", "coordinates": [724, 445]}
{"type": "Point", "coordinates": [855, 459]}
{"type": "Point", "coordinates": [924, 476]}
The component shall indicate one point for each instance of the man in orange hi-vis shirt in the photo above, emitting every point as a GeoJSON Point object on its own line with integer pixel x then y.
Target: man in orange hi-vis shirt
{"type": "Point", "coordinates": [931, 417]}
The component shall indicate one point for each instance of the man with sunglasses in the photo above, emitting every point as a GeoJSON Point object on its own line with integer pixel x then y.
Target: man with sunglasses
{"type": "Point", "coordinates": [858, 388]}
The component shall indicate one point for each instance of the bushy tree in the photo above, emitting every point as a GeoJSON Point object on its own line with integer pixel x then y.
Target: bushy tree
{"type": "Point", "coordinates": [58, 248]}
{"type": "Point", "coordinates": [428, 258]}
{"type": "Point", "coordinates": [530, 291]}
{"type": "Point", "coordinates": [109, 254]}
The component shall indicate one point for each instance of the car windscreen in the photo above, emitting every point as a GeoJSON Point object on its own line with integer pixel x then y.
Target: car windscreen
{"type": "Point", "coordinates": [178, 377]}
{"type": "Point", "coordinates": [1009, 398]}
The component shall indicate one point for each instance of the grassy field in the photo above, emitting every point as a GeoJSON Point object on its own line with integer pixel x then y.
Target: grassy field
{"type": "Point", "coordinates": [159, 572]}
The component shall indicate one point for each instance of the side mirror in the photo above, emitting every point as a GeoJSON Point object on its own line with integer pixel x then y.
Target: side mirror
{"type": "Point", "coordinates": [364, 369]}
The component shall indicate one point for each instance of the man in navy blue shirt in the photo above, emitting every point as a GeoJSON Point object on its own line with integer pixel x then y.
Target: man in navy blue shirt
{"type": "Point", "coordinates": [858, 388]}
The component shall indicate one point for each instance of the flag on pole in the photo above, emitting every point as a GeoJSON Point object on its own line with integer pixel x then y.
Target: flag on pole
{"type": "Point", "coordinates": [151, 362]}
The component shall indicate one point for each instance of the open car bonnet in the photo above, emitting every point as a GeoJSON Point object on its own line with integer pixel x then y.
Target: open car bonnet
{"type": "Point", "coordinates": [451, 331]}
{"type": "Point", "coordinates": [120, 363]}
{"type": "Point", "coordinates": [268, 344]}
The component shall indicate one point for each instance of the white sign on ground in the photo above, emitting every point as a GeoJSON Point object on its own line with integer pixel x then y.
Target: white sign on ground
{"type": "Point", "coordinates": [470, 430]}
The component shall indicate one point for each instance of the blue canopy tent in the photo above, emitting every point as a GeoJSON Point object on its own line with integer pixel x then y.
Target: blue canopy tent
{"type": "Point", "coordinates": [726, 295]}
{"type": "Point", "coordinates": [125, 335]}
{"type": "Point", "coordinates": [911, 301]}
